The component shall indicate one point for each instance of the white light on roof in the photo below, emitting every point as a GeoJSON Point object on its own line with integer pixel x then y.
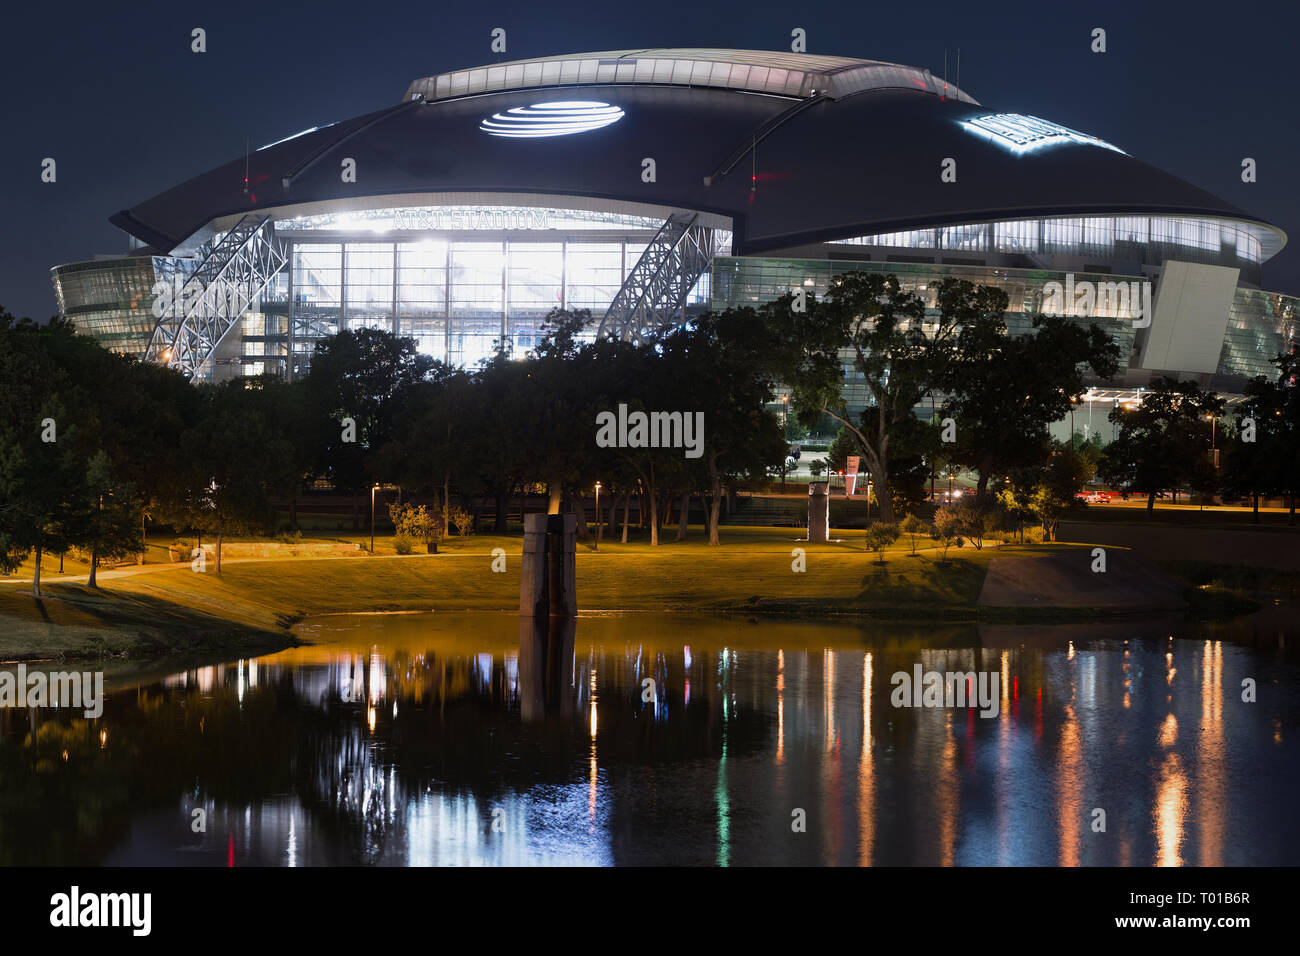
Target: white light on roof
{"type": "Point", "coordinates": [551, 119]}
{"type": "Point", "coordinates": [1022, 134]}
{"type": "Point", "coordinates": [294, 136]}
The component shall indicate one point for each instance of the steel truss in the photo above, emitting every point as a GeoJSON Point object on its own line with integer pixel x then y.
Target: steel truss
{"type": "Point", "coordinates": [216, 295]}
{"type": "Point", "coordinates": [653, 296]}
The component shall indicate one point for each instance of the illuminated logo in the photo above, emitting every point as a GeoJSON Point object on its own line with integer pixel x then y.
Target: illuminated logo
{"type": "Point", "coordinates": [551, 119]}
{"type": "Point", "coordinates": [1022, 134]}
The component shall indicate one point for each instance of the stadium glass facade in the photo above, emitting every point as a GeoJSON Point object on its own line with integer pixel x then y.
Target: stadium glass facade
{"type": "Point", "coordinates": [112, 298]}
{"type": "Point", "coordinates": [1140, 240]}
{"type": "Point", "coordinates": [463, 280]}
{"type": "Point", "coordinates": [457, 280]}
{"type": "Point", "coordinates": [1260, 324]}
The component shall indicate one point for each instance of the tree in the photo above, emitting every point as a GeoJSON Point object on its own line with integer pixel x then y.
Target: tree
{"type": "Point", "coordinates": [1004, 391]}
{"type": "Point", "coordinates": [946, 528]}
{"type": "Point", "coordinates": [1162, 438]}
{"type": "Point", "coordinates": [45, 443]}
{"type": "Point", "coordinates": [1261, 452]}
{"type": "Point", "coordinates": [559, 407]}
{"type": "Point", "coordinates": [977, 520]}
{"type": "Point", "coordinates": [1049, 490]}
{"type": "Point", "coordinates": [237, 461]}
{"type": "Point", "coordinates": [435, 435]}
{"type": "Point", "coordinates": [722, 364]}
{"type": "Point", "coordinates": [109, 528]}
{"type": "Point", "coordinates": [841, 447]}
{"type": "Point", "coordinates": [361, 376]}
{"type": "Point", "coordinates": [899, 350]}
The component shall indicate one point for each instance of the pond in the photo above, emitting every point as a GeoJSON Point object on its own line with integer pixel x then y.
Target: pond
{"type": "Point", "coordinates": [421, 739]}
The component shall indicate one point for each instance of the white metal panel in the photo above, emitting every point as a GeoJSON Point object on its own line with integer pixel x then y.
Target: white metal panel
{"type": "Point", "coordinates": [1191, 317]}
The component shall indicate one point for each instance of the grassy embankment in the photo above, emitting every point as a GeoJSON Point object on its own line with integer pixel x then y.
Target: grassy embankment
{"type": "Point", "coordinates": [169, 609]}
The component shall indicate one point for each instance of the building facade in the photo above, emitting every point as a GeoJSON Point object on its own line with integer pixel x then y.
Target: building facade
{"type": "Point", "coordinates": [649, 185]}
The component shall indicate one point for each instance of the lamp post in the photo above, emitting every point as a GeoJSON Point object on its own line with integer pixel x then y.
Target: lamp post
{"type": "Point", "coordinates": [785, 407]}
{"type": "Point", "coordinates": [373, 489]}
{"type": "Point", "coordinates": [596, 546]}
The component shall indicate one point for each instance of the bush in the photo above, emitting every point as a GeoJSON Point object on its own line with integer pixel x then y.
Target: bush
{"type": "Point", "coordinates": [417, 522]}
{"type": "Point", "coordinates": [404, 544]}
{"type": "Point", "coordinates": [976, 522]}
{"type": "Point", "coordinates": [461, 520]}
{"type": "Point", "coordinates": [880, 536]}
{"type": "Point", "coordinates": [913, 527]}
{"type": "Point", "coordinates": [293, 536]}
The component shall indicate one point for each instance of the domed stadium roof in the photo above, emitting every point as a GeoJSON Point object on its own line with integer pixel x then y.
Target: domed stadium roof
{"type": "Point", "coordinates": [789, 148]}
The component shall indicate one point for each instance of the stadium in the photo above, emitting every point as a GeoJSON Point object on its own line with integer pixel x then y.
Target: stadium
{"type": "Point", "coordinates": [650, 185]}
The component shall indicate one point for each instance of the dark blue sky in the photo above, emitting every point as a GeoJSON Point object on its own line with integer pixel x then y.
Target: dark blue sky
{"type": "Point", "coordinates": [114, 94]}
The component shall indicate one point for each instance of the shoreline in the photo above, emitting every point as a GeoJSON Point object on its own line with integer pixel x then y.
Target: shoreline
{"type": "Point", "coordinates": [157, 612]}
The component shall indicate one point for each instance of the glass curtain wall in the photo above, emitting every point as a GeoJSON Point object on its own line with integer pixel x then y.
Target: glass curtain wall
{"type": "Point", "coordinates": [457, 297]}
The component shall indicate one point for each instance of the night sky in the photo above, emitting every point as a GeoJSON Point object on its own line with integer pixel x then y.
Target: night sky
{"type": "Point", "coordinates": [113, 93]}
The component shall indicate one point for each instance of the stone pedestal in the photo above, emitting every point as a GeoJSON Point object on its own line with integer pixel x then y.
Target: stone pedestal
{"type": "Point", "coordinates": [819, 511]}
{"type": "Point", "coordinates": [548, 582]}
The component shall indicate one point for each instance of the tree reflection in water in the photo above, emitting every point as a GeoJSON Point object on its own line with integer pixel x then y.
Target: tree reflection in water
{"type": "Point", "coordinates": [479, 738]}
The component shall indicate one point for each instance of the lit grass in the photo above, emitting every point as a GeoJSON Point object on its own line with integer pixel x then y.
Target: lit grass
{"type": "Point", "coordinates": [752, 570]}
{"type": "Point", "coordinates": [173, 610]}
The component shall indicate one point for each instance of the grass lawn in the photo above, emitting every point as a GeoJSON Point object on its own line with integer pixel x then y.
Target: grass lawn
{"type": "Point", "coordinates": [172, 609]}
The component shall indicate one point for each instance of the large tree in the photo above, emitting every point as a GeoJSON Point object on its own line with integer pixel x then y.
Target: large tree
{"type": "Point", "coordinates": [1261, 454]}
{"type": "Point", "coordinates": [898, 353]}
{"type": "Point", "coordinates": [238, 462]}
{"type": "Point", "coordinates": [355, 385]}
{"type": "Point", "coordinates": [1163, 440]}
{"type": "Point", "coordinates": [721, 364]}
{"type": "Point", "coordinates": [43, 447]}
{"type": "Point", "coordinates": [1005, 391]}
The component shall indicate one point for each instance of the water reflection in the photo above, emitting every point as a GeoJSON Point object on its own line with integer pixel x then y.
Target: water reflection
{"type": "Point", "coordinates": [654, 739]}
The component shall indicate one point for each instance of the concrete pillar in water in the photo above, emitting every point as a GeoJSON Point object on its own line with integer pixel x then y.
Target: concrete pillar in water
{"type": "Point", "coordinates": [548, 582]}
{"type": "Point", "coordinates": [819, 511]}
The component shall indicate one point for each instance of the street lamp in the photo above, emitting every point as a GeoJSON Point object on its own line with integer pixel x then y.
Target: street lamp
{"type": "Point", "coordinates": [785, 406]}
{"type": "Point", "coordinates": [596, 546]}
{"type": "Point", "coordinates": [372, 516]}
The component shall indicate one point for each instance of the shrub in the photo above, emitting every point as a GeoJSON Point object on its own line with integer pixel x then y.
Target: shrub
{"type": "Point", "coordinates": [461, 520]}
{"type": "Point", "coordinates": [913, 527]}
{"type": "Point", "coordinates": [880, 536]}
{"type": "Point", "coordinates": [416, 521]}
{"type": "Point", "coordinates": [293, 536]}
{"type": "Point", "coordinates": [976, 522]}
{"type": "Point", "coordinates": [404, 544]}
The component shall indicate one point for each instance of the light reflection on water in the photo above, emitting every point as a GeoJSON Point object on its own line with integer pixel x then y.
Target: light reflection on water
{"type": "Point", "coordinates": [465, 740]}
